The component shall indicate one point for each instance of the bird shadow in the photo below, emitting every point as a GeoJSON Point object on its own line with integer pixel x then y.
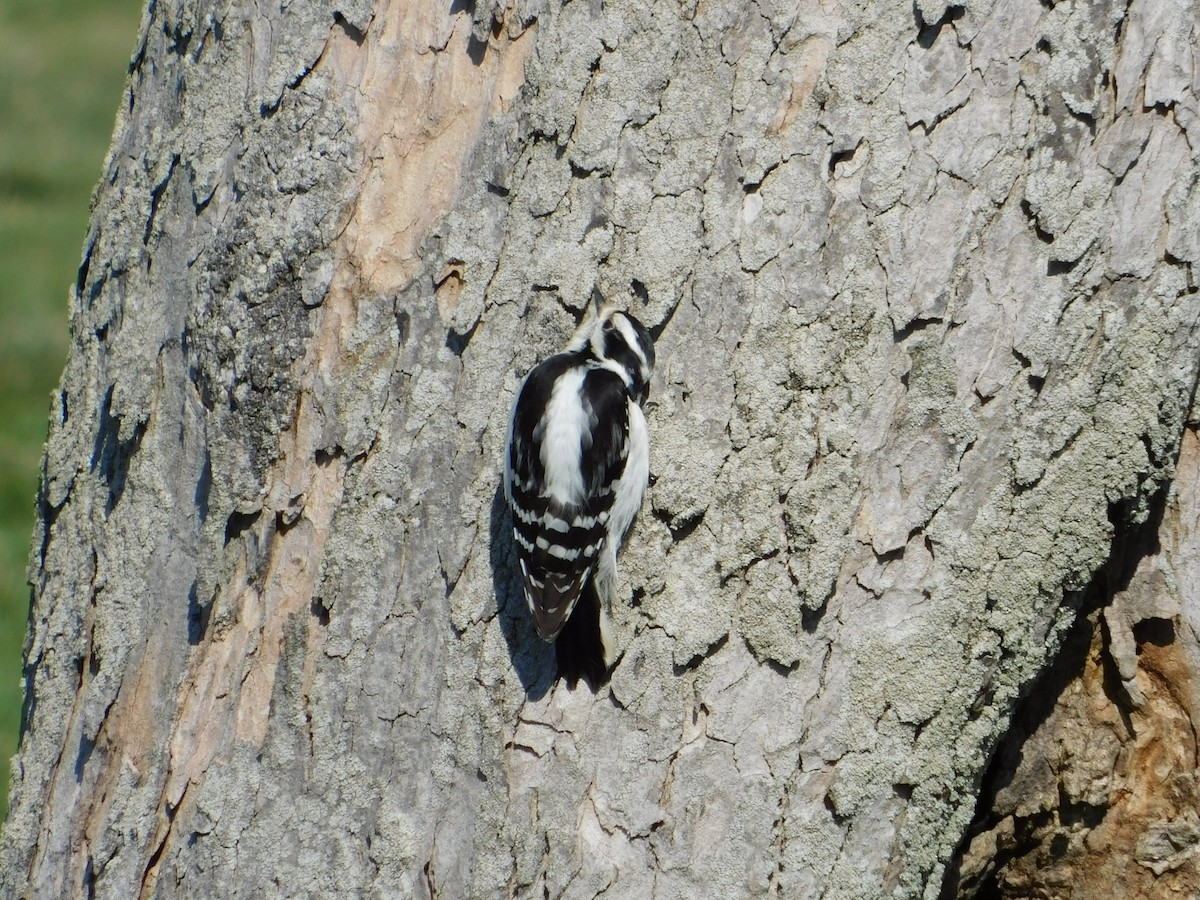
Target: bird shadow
{"type": "Point", "coordinates": [532, 659]}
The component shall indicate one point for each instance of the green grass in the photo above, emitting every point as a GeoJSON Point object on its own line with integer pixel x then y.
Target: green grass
{"type": "Point", "coordinates": [62, 66]}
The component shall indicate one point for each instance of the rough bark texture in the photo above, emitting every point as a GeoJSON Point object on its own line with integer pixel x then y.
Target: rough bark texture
{"type": "Point", "coordinates": [1095, 792]}
{"type": "Point", "coordinates": [921, 278]}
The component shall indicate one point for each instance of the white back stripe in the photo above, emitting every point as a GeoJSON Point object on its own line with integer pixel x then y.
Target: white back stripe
{"type": "Point", "coordinates": [562, 428]}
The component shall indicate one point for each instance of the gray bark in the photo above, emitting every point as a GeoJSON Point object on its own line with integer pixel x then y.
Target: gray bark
{"type": "Point", "coordinates": [1093, 792]}
{"type": "Point", "coordinates": [921, 279]}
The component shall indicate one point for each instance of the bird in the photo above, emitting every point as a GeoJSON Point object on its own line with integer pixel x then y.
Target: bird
{"type": "Point", "coordinates": [575, 473]}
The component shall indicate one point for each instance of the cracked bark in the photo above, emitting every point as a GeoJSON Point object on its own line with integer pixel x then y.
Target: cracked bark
{"type": "Point", "coordinates": [1093, 791]}
{"type": "Point", "coordinates": [921, 281]}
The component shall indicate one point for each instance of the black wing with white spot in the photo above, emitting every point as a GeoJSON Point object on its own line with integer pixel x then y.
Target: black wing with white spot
{"type": "Point", "coordinates": [568, 445]}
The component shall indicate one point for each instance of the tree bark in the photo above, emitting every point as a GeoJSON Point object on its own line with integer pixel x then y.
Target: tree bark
{"type": "Point", "coordinates": [1094, 787]}
{"type": "Point", "coordinates": [921, 280]}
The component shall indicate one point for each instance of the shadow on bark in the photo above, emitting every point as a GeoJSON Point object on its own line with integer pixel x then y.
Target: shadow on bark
{"type": "Point", "coordinates": [532, 659]}
{"type": "Point", "coordinates": [1130, 544]}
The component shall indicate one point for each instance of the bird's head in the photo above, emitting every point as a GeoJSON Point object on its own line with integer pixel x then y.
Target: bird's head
{"type": "Point", "coordinates": [619, 342]}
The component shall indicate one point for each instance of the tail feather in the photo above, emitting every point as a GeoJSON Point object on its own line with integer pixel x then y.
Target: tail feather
{"type": "Point", "coordinates": [583, 648]}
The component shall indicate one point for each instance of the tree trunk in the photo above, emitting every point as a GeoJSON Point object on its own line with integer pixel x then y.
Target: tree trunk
{"type": "Point", "coordinates": [921, 283]}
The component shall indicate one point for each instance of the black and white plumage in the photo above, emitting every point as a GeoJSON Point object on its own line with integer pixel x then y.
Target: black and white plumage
{"type": "Point", "coordinates": [576, 468]}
